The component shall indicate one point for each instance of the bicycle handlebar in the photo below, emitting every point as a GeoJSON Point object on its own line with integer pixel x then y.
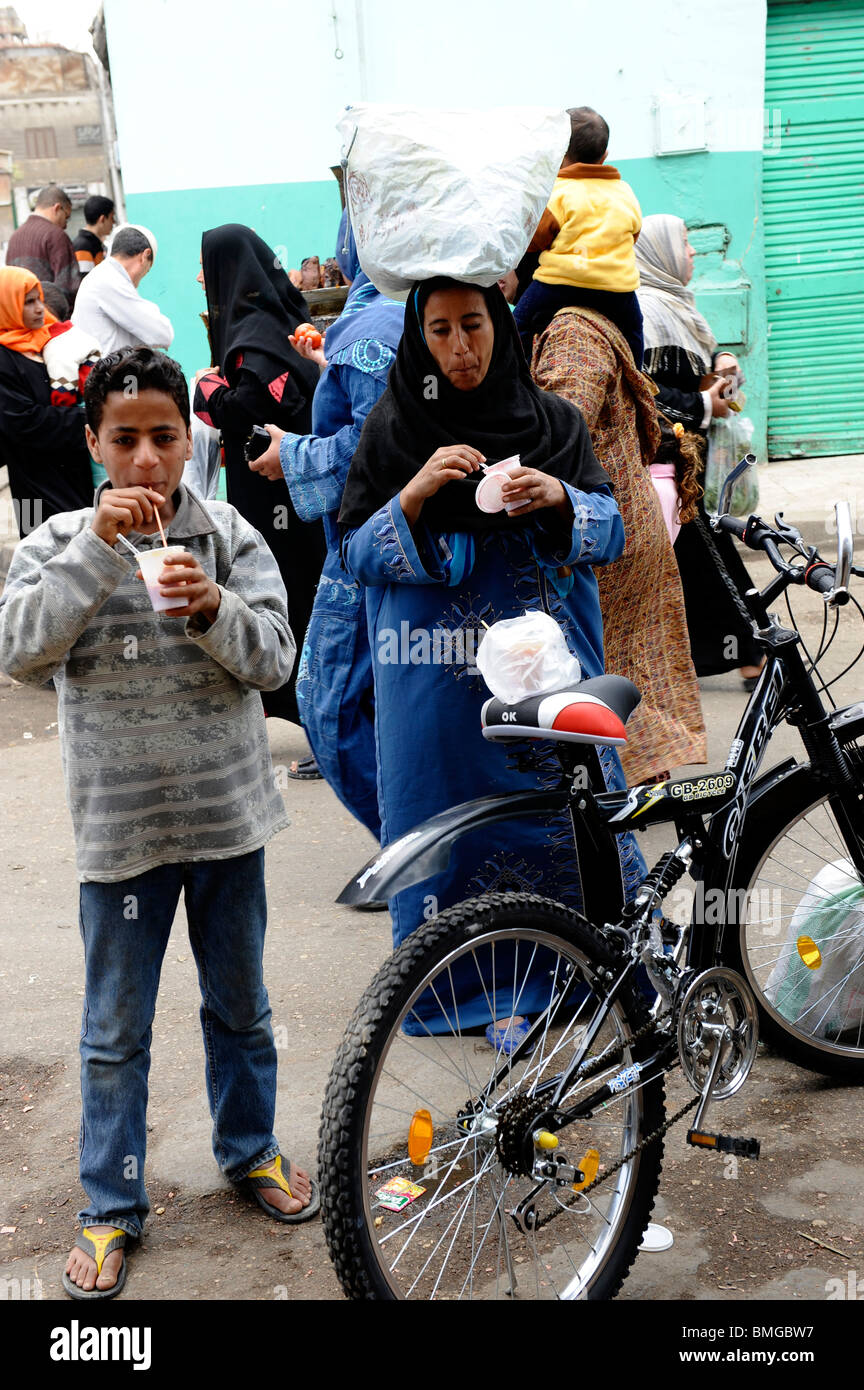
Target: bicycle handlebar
{"type": "Point", "coordinates": [757, 535]}
{"type": "Point", "coordinates": [820, 577]}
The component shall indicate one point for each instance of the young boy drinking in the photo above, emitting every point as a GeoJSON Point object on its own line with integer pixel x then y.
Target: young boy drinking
{"type": "Point", "coordinates": [170, 786]}
{"type": "Point", "coordinates": [586, 238]}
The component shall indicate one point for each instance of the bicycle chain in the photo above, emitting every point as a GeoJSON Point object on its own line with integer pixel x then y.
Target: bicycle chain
{"type": "Point", "coordinates": [615, 1053]}
{"type": "Point", "coordinates": [600, 1064]}
{"type": "Point", "coordinates": [735, 593]}
{"type": "Point", "coordinates": [649, 1139]}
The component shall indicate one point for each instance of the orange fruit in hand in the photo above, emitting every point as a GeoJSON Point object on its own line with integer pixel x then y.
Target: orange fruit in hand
{"type": "Point", "coordinates": [310, 333]}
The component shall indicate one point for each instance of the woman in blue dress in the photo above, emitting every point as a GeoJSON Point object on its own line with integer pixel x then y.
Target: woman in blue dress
{"type": "Point", "coordinates": [437, 569]}
{"type": "Point", "coordinates": [335, 692]}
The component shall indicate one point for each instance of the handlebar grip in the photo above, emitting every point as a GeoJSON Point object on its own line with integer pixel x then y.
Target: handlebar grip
{"type": "Point", "coordinates": [733, 524]}
{"type": "Point", "coordinates": [820, 577]}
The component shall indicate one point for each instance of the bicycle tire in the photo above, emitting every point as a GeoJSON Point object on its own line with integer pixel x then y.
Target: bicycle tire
{"type": "Point", "coordinates": [369, 1074]}
{"type": "Point", "coordinates": [786, 842]}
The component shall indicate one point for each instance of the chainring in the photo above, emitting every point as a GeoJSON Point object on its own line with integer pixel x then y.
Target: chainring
{"type": "Point", "coordinates": [718, 1000]}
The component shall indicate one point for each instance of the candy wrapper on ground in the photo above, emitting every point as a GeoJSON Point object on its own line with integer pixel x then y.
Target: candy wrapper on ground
{"type": "Point", "coordinates": [519, 657]}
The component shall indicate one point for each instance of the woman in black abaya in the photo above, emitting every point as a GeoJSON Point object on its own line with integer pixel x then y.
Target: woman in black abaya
{"type": "Point", "coordinates": [257, 378]}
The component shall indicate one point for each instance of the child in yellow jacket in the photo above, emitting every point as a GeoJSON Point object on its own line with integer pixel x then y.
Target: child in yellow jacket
{"type": "Point", "coordinates": [586, 238]}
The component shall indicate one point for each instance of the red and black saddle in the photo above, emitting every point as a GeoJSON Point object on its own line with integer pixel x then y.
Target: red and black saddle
{"type": "Point", "coordinates": [592, 711]}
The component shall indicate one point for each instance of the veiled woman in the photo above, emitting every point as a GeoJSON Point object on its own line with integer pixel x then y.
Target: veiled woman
{"type": "Point", "coordinates": [680, 349]}
{"type": "Point", "coordinates": [258, 378]}
{"type": "Point", "coordinates": [42, 443]}
{"type": "Point", "coordinates": [437, 569]}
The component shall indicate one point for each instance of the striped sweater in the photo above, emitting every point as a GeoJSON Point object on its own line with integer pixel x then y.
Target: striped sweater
{"type": "Point", "coordinates": [163, 741]}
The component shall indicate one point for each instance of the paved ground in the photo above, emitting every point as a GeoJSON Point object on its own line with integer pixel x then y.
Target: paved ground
{"type": "Point", "coordinates": [781, 1230]}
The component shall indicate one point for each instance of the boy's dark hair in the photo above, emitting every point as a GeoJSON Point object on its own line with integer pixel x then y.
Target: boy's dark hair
{"type": "Point", "coordinates": [51, 195]}
{"type": "Point", "coordinates": [56, 301]}
{"type": "Point", "coordinates": [589, 136]}
{"type": "Point", "coordinates": [138, 367]}
{"type": "Point", "coordinates": [129, 242]}
{"type": "Point", "coordinates": [97, 207]}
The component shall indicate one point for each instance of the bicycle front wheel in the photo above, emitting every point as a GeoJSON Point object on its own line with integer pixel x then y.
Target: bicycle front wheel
{"type": "Point", "coordinates": [800, 935]}
{"type": "Point", "coordinates": [426, 1136]}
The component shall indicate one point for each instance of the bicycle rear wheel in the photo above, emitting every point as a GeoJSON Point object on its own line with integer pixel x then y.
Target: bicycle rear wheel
{"type": "Point", "coordinates": [800, 938]}
{"type": "Point", "coordinates": [443, 1110]}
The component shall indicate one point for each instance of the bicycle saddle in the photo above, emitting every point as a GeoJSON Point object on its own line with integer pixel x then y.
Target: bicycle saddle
{"type": "Point", "coordinates": [592, 711]}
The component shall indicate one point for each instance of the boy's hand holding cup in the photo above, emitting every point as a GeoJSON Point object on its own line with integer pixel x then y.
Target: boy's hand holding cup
{"type": "Point", "coordinates": [174, 577]}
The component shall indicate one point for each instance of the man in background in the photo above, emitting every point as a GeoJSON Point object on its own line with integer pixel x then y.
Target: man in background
{"type": "Point", "coordinates": [109, 306]}
{"type": "Point", "coordinates": [41, 245]}
{"type": "Point", "coordinates": [89, 244]}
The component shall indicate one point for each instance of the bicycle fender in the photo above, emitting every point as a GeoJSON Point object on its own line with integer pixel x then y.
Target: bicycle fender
{"type": "Point", "coordinates": [425, 850]}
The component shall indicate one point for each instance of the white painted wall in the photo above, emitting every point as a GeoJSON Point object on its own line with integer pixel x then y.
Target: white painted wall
{"type": "Point", "coordinates": [210, 93]}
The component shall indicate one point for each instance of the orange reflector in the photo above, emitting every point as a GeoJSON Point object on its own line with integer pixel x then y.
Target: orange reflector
{"type": "Point", "coordinates": [420, 1137]}
{"type": "Point", "coordinates": [708, 1141]}
{"type": "Point", "coordinates": [588, 1166]}
{"type": "Point", "coordinates": [809, 952]}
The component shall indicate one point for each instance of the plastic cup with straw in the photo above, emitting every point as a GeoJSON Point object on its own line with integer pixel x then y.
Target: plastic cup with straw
{"type": "Point", "coordinates": [151, 563]}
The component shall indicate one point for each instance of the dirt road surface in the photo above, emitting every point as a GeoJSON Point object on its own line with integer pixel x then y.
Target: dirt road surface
{"type": "Point", "coordinates": [779, 1230]}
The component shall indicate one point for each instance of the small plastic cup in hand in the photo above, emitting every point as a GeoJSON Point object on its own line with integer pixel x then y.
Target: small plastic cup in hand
{"type": "Point", "coordinates": [151, 563]}
{"type": "Point", "coordinates": [488, 495]}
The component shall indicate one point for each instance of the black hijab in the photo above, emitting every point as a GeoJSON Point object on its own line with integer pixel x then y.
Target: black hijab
{"type": "Point", "coordinates": [421, 411]}
{"type": "Point", "coordinates": [252, 307]}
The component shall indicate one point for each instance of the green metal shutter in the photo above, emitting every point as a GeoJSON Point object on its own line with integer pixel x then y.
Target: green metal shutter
{"type": "Point", "coordinates": [813, 199]}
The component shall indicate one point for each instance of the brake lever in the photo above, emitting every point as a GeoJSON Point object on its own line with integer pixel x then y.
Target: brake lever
{"type": "Point", "coordinates": [789, 533]}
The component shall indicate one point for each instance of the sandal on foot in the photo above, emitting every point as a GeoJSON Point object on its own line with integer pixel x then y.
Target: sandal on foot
{"type": "Point", "coordinates": [305, 769]}
{"type": "Point", "coordinates": [259, 1178]}
{"type": "Point", "coordinates": [506, 1035]}
{"type": "Point", "coordinates": [97, 1245]}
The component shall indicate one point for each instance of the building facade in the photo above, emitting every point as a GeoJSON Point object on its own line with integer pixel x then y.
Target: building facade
{"type": "Point", "coordinates": [701, 124]}
{"type": "Point", "coordinates": [51, 121]}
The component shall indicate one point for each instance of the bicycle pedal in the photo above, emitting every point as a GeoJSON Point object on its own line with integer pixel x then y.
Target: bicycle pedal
{"type": "Point", "coordinates": [724, 1144]}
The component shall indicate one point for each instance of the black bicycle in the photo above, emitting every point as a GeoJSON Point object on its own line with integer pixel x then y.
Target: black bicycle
{"type": "Point", "coordinates": [452, 1169]}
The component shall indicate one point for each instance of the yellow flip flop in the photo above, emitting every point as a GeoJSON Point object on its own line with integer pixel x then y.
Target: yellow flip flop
{"type": "Point", "coordinates": [260, 1179]}
{"type": "Point", "coordinates": [98, 1244]}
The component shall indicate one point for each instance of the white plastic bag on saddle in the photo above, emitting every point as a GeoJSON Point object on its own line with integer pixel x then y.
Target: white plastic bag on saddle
{"type": "Point", "coordinates": [437, 192]}
{"type": "Point", "coordinates": [519, 657]}
{"type": "Point", "coordinates": [828, 998]}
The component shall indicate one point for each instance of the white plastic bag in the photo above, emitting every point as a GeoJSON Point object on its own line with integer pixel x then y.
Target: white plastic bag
{"type": "Point", "coordinates": [526, 656]}
{"type": "Point", "coordinates": [830, 997]}
{"type": "Point", "coordinates": [458, 193]}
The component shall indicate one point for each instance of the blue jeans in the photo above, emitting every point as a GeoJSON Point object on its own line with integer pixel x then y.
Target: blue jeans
{"type": "Point", "coordinates": [125, 928]}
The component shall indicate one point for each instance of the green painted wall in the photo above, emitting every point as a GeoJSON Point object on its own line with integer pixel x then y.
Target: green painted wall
{"type": "Point", "coordinates": [297, 220]}
{"type": "Point", "coordinates": [718, 195]}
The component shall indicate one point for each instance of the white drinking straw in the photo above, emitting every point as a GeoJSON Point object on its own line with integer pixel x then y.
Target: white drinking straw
{"type": "Point", "coordinates": [127, 543]}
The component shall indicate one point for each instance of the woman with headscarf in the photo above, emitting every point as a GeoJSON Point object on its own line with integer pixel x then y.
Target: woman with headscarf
{"type": "Point", "coordinates": [335, 690]}
{"type": "Point", "coordinates": [585, 358]}
{"type": "Point", "coordinates": [257, 377]}
{"type": "Point", "coordinates": [437, 569]}
{"type": "Point", "coordinates": [680, 350]}
{"type": "Point", "coordinates": [41, 442]}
